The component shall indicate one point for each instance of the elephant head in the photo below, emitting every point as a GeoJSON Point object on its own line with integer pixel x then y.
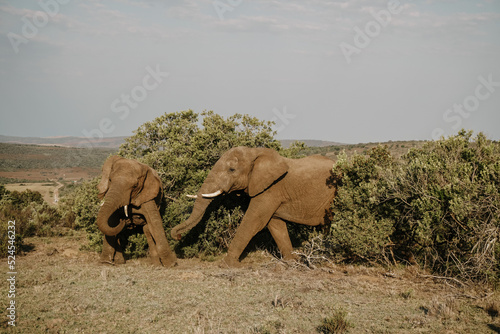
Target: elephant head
{"type": "Point", "coordinates": [252, 170]}
{"type": "Point", "coordinates": [124, 182]}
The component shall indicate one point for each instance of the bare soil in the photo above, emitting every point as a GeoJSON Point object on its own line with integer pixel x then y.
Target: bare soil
{"type": "Point", "coordinates": [61, 289]}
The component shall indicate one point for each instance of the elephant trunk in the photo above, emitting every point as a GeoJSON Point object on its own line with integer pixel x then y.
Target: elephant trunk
{"type": "Point", "coordinates": [211, 188]}
{"type": "Point", "coordinates": [199, 209]}
{"type": "Point", "coordinates": [109, 206]}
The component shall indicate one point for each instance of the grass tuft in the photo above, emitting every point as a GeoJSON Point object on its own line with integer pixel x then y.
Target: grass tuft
{"type": "Point", "coordinates": [336, 324]}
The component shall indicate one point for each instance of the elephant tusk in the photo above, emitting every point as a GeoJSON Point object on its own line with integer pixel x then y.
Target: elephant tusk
{"type": "Point", "coordinates": [126, 210]}
{"type": "Point", "coordinates": [212, 195]}
{"type": "Point", "coordinates": [192, 196]}
{"type": "Point", "coordinates": [102, 203]}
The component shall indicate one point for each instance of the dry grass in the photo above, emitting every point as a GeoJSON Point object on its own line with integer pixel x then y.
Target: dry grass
{"type": "Point", "coordinates": [63, 290]}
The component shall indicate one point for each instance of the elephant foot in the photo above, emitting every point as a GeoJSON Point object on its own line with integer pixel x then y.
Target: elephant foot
{"type": "Point", "coordinates": [155, 260]}
{"type": "Point", "coordinates": [290, 257]}
{"type": "Point", "coordinates": [109, 259]}
{"type": "Point", "coordinates": [119, 259]}
{"type": "Point", "coordinates": [230, 262]}
{"type": "Point", "coordinates": [169, 261]}
{"type": "Point", "coordinates": [106, 257]}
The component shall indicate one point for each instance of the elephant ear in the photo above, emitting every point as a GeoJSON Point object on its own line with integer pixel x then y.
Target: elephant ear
{"type": "Point", "coordinates": [103, 185]}
{"type": "Point", "coordinates": [149, 187]}
{"type": "Point", "coordinates": [268, 167]}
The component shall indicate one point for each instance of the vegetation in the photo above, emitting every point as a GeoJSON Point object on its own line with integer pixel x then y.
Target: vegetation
{"type": "Point", "coordinates": [397, 148]}
{"type": "Point", "coordinates": [436, 206]}
{"type": "Point", "coordinates": [336, 324]}
{"type": "Point", "coordinates": [32, 216]}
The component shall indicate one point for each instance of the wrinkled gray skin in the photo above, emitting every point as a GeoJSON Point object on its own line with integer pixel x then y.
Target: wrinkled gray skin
{"type": "Point", "coordinates": [281, 190]}
{"type": "Point", "coordinates": [131, 186]}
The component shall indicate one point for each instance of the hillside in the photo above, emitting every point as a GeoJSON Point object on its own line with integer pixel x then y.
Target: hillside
{"type": "Point", "coordinates": [310, 142]}
{"type": "Point", "coordinates": [111, 142]}
{"type": "Point", "coordinates": [115, 142]}
{"type": "Point", "coordinates": [30, 162]}
{"type": "Point", "coordinates": [397, 148]}
{"type": "Point", "coordinates": [40, 163]}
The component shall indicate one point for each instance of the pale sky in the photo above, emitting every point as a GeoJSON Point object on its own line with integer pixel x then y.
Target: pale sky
{"type": "Point", "coordinates": [345, 71]}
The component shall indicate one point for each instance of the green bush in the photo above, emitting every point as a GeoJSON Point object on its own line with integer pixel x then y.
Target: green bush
{"type": "Point", "coordinates": [362, 223]}
{"type": "Point", "coordinates": [448, 195]}
{"type": "Point", "coordinates": [32, 215]}
{"type": "Point", "coordinates": [437, 206]}
{"type": "Point", "coordinates": [81, 206]}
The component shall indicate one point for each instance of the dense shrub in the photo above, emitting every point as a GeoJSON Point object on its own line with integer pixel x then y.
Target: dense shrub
{"type": "Point", "coordinates": [362, 222]}
{"type": "Point", "coordinates": [449, 198]}
{"type": "Point", "coordinates": [437, 206]}
{"type": "Point", "coordinates": [32, 215]}
{"type": "Point", "coordinates": [81, 205]}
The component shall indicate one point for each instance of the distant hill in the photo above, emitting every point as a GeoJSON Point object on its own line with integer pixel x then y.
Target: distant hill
{"type": "Point", "coordinates": [115, 142]}
{"type": "Point", "coordinates": [62, 159]}
{"type": "Point", "coordinates": [111, 142]}
{"type": "Point", "coordinates": [310, 142]}
{"type": "Point", "coordinates": [28, 162]}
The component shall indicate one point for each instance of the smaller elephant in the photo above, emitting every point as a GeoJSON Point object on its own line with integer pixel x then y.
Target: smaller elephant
{"type": "Point", "coordinates": [132, 193]}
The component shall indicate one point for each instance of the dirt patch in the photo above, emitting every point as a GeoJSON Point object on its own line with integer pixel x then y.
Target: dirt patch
{"type": "Point", "coordinates": [63, 289]}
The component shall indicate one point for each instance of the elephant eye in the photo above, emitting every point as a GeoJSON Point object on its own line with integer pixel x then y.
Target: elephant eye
{"type": "Point", "coordinates": [232, 170]}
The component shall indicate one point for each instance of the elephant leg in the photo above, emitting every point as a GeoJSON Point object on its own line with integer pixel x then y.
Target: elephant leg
{"type": "Point", "coordinates": [155, 226]}
{"type": "Point", "coordinates": [258, 214]}
{"type": "Point", "coordinates": [153, 252]}
{"type": "Point", "coordinates": [111, 251]}
{"type": "Point", "coordinates": [278, 230]}
{"type": "Point", "coordinates": [119, 258]}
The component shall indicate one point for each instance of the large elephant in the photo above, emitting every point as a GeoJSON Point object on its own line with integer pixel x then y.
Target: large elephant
{"type": "Point", "coordinates": [281, 190]}
{"type": "Point", "coordinates": [132, 193]}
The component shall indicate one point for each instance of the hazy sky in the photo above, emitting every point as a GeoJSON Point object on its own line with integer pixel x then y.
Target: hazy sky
{"type": "Point", "coordinates": [346, 71]}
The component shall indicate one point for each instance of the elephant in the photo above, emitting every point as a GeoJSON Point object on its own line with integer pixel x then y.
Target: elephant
{"type": "Point", "coordinates": [280, 189]}
{"type": "Point", "coordinates": [132, 192]}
